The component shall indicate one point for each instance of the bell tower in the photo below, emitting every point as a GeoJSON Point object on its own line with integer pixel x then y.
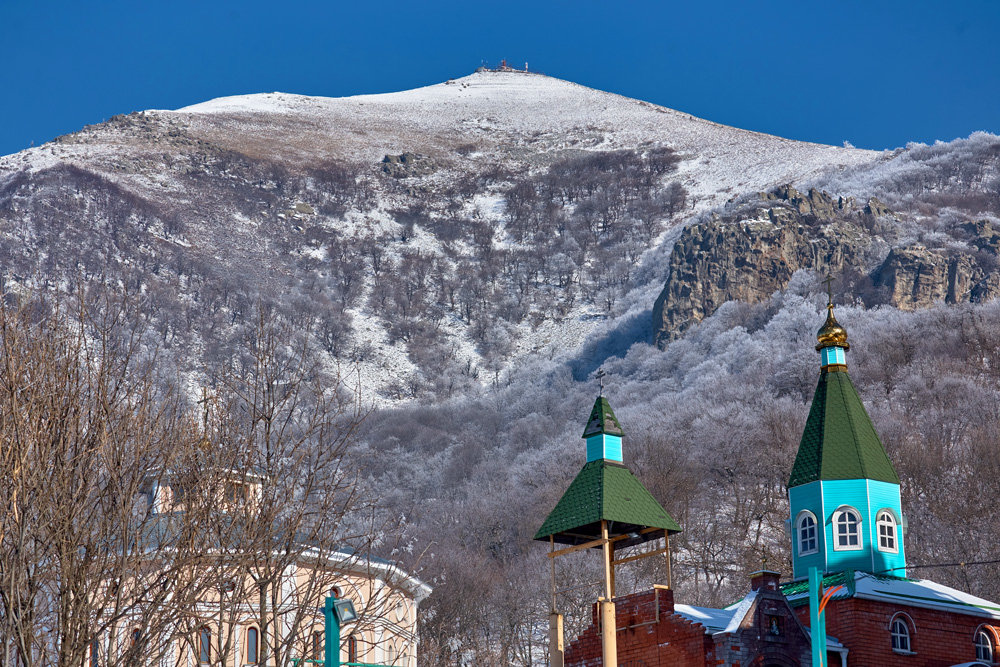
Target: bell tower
{"type": "Point", "coordinates": [843, 492]}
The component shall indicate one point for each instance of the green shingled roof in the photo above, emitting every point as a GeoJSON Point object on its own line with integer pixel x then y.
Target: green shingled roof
{"type": "Point", "coordinates": [839, 441]}
{"type": "Point", "coordinates": [604, 490]}
{"type": "Point", "coordinates": [602, 420]}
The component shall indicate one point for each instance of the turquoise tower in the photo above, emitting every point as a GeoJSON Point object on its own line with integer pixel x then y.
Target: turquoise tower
{"type": "Point", "coordinates": [843, 492]}
{"type": "Point", "coordinates": [603, 433]}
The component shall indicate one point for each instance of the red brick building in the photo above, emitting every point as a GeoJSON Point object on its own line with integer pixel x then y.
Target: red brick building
{"type": "Point", "coordinates": [847, 523]}
{"type": "Point", "coordinates": [652, 630]}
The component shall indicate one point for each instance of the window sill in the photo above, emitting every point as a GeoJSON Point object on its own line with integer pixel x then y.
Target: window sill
{"type": "Point", "coordinates": [900, 652]}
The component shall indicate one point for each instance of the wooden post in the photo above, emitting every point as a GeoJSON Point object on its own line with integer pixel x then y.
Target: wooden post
{"type": "Point", "coordinates": [609, 575]}
{"type": "Point", "coordinates": [666, 545]}
{"type": "Point", "coordinates": [556, 646]}
{"type": "Point", "coordinates": [552, 562]}
{"type": "Point", "coordinates": [556, 641]}
{"type": "Point", "coordinates": [609, 642]}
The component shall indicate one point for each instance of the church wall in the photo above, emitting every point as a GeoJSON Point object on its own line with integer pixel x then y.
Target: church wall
{"type": "Point", "coordinates": [836, 494]}
{"type": "Point", "coordinates": [884, 495]}
{"type": "Point", "coordinates": [807, 497]}
{"type": "Point", "coordinates": [939, 638]}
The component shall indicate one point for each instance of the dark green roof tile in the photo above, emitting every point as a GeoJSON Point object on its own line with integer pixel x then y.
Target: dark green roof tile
{"type": "Point", "coordinates": [839, 440]}
{"type": "Point", "coordinates": [604, 490]}
{"type": "Point", "coordinates": [602, 420]}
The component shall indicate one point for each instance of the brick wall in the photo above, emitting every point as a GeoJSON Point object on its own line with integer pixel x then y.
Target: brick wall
{"type": "Point", "coordinates": [938, 638]}
{"type": "Point", "coordinates": [644, 641]}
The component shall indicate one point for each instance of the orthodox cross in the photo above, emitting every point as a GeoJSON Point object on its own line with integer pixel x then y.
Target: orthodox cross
{"type": "Point", "coordinates": [829, 287]}
{"type": "Point", "coordinates": [600, 378]}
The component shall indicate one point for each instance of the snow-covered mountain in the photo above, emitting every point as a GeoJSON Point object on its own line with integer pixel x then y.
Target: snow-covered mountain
{"type": "Point", "coordinates": [286, 200]}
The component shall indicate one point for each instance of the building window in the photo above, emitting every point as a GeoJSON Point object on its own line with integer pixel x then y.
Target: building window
{"type": "Point", "coordinates": [317, 645]}
{"type": "Point", "coordinates": [900, 634]}
{"type": "Point", "coordinates": [352, 649]}
{"type": "Point", "coordinates": [95, 653]}
{"type": "Point", "coordinates": [806, 531]}
{"type": "Point", "coordinates": [204, 646]}
{"type": "Point", "coordinates": [135, 636]}
{"type": "Point", "coordinates": [252, 638]}
{"type": "Point", "coordinates": [984, 647]}
{"type": "Point", "coordinates": [847, 529]}
{"type": "Point", "coordinates": [887, 540]}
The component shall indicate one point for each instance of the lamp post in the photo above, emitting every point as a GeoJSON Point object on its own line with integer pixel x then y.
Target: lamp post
{"type": "Point", "coordinates": [336, 613]}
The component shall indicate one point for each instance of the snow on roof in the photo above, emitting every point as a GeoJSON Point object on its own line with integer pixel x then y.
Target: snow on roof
{"type": "Point", "coordinates": [718, 621]}
{"type": "Point", "coordinates": [921, 593]}
{"type": "Point", "coordinates": [714, 620]}
{"type": "Point", "coordinates": [913, 592]}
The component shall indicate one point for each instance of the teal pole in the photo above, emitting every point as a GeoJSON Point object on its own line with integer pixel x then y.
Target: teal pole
{"type": "Point", "coordinates": [331, 638]}
{"type": "Point", "coordinates": [817, 631]}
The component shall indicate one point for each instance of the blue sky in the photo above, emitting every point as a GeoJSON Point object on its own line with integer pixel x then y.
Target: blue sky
{"type": "Point", "coordinates": [877, 74]}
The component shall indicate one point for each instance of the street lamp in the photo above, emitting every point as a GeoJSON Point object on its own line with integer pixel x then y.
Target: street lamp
{"type": "Point", "coordinates": [336, 612]}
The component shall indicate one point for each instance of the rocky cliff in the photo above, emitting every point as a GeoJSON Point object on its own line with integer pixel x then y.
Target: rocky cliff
{"type": "Point", "coordinates": [749, 253]}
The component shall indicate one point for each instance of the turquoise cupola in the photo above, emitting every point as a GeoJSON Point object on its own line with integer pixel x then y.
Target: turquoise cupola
{"type": "Point", "coordinates": [843, 492]}
{"type": "Point", "coordinates": [603, 433]}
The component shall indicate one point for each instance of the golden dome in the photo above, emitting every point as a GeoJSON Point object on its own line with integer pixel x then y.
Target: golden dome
{"type": "Point", "coordinates": [831, 333]}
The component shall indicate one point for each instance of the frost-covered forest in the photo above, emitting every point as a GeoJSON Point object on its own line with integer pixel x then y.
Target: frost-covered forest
{"type": "Point", "coordinates": [470, 254]}
{"type": "Point", "coordinates": [712, 425]}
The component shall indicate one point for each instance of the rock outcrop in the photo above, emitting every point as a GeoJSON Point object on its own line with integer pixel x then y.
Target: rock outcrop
{"type": "Point", "coordinates": [749, 254]}
{"type": "Point", "coordinates": [406, 165]}
{"type": "Point", "coordinates": [917, 276]}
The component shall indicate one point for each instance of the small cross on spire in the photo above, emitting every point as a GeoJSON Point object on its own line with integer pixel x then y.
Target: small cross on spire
{"type": "Point", "coordinates": [829, 289]}
{"type": "Point", "coordinates": [600, 378]}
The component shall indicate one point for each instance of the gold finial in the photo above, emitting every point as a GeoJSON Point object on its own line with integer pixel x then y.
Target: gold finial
{"type": "Point", "coordinates": [831, 333]}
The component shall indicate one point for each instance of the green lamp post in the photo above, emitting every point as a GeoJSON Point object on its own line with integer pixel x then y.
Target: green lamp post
{"type": "Point", "coordinates": [336, 613]}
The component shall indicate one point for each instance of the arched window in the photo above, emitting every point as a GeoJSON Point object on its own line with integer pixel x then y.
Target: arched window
{"type": "Point", "coordinates": [135, 636]}
{"type": "Point", "coordinates": [204, 646]}
{"type": "Point", "coordinates": [317, 645]}
{"type": "Point", "coordinates": [847, 529]}
{"type": "Point", "coordinates": [887, 540]}
{"type": "Point", "coordinates": [352, 649]}
{"type": "Point", "coordinates": [984, 646]}
{"type": "Point", "coordinates": [252, 638]}
{"type": "Point", "coordinates": [900, 635]}
{"type": "Point", "coordinates": [805, 529]}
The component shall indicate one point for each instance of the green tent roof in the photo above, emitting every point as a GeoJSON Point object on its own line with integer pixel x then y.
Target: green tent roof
{"type": "Point", "coordinates": [602, 420]}
{"type": "Point", "coordinates": [839, 441]}
{"type": "Point", "coordinates": [604, 490]}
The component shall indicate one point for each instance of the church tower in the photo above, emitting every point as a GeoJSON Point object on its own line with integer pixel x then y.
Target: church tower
{"type": "Point", "coordinates": [843, 492]}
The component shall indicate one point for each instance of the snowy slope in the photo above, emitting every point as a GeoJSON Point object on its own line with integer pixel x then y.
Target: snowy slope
{"type": "Point", "coordinates": [181, 162]}
{"type": "Point", "coordinates": [539, 113]}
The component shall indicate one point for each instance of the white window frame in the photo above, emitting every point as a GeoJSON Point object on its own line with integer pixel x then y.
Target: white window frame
{"type": "Point", "coordinates": [885, 517]}
{"type": "Point", "coordinates": [803, 515]}
{"type": "Point", "coordinates": [841, 512]}
{"type": "Point", "coordinates": [987, 644]}
{"type": "Point", "coordinates": [903, 620]}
